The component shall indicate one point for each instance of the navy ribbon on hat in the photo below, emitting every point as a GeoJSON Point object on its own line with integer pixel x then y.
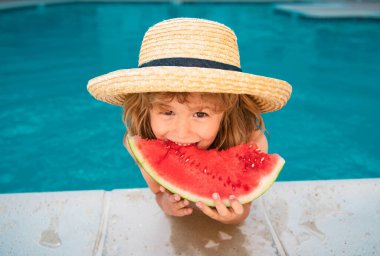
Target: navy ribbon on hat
{"type": "Point", "coordinates": [190, 62]}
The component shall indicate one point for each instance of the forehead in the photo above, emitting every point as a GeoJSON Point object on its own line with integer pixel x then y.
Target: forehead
{"type": "Point", "coordinates": [194, 101]}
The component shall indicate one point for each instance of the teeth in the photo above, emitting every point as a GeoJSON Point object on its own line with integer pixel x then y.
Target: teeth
{"type": "Point", "coordinates": [183, 144]}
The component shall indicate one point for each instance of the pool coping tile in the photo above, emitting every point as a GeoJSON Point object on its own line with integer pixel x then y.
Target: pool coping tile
{"type": "Point", "coordinates": [332, 10]}
{"type": "Point", "coordinates": [51, 223]}
{"type": "Point", "coordinates": [293, 218]}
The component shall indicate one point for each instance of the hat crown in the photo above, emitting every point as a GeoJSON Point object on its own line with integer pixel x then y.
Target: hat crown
{"type": "Point", "coordinates": [190, 38]}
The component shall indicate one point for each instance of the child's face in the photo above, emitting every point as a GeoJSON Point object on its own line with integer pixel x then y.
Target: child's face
{"type": "Point", "coordinates": [194, 122]}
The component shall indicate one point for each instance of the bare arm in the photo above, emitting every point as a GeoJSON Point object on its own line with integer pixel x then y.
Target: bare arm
{"type": "Point", "coordinates": [171, 204]}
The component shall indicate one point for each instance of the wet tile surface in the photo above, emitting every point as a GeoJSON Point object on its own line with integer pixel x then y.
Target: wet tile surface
{"type": "Point", "coordinates": [326, 218]}
{"type": "Point", "coordinates": [332, 10]}
{"type": "Point", "coordinates": [137, 226]}
{"type": "Point", "coordinates": [62, 223]}
{"type": "Point", "coordinates": [293, 218]}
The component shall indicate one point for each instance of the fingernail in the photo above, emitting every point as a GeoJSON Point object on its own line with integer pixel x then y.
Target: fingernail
{"type": "Point", "coordinates": [232, 197]}
{"type": "Point", "coordinates": [198, 204]}
{"type": "Point", "coordinates": [215, 196]}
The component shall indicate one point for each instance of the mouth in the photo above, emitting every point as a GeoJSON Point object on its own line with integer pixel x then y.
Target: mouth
{"type": "Point", "coordinates": [181, 144]}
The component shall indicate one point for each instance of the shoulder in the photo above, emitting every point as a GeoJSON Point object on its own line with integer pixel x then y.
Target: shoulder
{"type": "Point", "coordinates": [257, 137]}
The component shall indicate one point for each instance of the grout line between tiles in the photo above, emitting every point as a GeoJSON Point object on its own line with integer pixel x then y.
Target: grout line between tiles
{"type": "Point", "coordinates": [281, 249]}
{"type": "Point", "coordinates": [102, 230]}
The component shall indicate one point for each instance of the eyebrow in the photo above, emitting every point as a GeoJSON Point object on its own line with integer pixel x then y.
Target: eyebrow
{"type": "Point", "coordinates": [161, 105]}
{"type": "Point", "coordinates": [200, 108]}
{"type": "Point", "coordinates": [196, 108]}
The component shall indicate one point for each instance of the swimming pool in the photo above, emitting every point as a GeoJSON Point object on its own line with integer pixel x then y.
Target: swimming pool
{"type": "Point", "coordinates": [54, 136]}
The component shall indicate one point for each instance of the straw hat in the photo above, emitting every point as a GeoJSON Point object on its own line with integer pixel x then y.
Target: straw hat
{"type": "Point", "coordinates": [190, 55]}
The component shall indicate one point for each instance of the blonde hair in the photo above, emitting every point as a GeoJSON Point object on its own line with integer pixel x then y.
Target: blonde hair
{"type": "Point", "coordinates": [241, 116]}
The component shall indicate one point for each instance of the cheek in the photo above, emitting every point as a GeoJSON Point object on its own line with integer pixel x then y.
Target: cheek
{"type": "Point", "coordinates": [158, 127]}
{"type": "Point", "coordinates": [211, 131]}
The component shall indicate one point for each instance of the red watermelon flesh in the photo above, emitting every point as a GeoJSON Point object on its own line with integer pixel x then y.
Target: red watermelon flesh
{"type": "Point", "coordinates": [195, 174]}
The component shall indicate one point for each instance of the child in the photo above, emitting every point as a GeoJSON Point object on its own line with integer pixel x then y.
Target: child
{"type": "Point", "coordinates": [189, 89]}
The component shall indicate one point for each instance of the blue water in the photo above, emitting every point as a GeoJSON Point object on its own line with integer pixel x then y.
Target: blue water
{"type": "Point", "coordinates": [55, 136]}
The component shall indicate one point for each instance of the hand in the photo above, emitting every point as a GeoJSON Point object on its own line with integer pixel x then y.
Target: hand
{"type": "Point", "coordinates": [235, 214]}
{"type": "Point", "coordinates": [173, 204]}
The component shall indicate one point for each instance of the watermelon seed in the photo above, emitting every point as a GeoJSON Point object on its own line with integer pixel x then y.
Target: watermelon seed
{"type": "Point", "coordinates": [187, 160]}
{"type": "Point", "coordinates": [253, 165]}
{"type": "Point", "coordinates": [205, 170]}
{"type": "Point", "coordinates": [220, 178]}
{"type": "Point", "coordinates": [181, 156]}
{"type": "Point", "coordinates": [262, 159]}
{"type": "Point", "coordinates": [233, 188]}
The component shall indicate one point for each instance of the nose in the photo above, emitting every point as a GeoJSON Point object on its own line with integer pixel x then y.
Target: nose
{"type": "Point", "coordinates": [182, 129]}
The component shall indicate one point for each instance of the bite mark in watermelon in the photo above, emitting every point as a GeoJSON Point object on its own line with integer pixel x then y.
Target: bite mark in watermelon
{"type": "Point", "coordinates": [195, 174]}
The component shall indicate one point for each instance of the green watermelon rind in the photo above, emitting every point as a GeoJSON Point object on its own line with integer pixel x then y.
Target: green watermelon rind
{"type": "Point", "coordinates": [265, 183]}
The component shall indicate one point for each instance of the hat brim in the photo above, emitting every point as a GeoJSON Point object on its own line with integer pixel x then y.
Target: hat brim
{"type": "Point", "coordinates": [269, 94]}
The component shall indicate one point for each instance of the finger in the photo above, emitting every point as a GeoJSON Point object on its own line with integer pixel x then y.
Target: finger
{"type": "Point", "coordinates": [162, 189]}
{"type": "Point", "coordinates": [207, 210]}
{"type": "Point", "coordinates": [183, 212]}
{"type": "Point", "coordinates": [182, 204]}
{"type": "Point", "coordinates": [219, 205]}
{"type": "Point", "coordinates": [236, 206]}
{"type": "Point", "coordinates": [174, 198]}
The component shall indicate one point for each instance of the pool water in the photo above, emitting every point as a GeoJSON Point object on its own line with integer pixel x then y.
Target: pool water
{"type": "Point", "coordinates": [55, 136]}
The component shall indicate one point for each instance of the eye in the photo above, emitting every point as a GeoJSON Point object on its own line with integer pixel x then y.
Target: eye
{"type": "Point", "coordinates": [200, 114]}
{"type": "Point", "coordinates": [167, 113]}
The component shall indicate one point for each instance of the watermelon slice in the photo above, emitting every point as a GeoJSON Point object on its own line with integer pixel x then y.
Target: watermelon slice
{"type": "Point", "coordinates": [195, 174]}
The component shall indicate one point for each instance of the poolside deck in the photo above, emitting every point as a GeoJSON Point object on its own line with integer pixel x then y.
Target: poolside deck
{"type": "Point", "coordinates": [367, 9]}
{"type": "Point", "coordinates": [12, 4]}
{"type": "Point", "coordinates": [333, 10]}
{"type": "Point", "coordinates": [340, 217]}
